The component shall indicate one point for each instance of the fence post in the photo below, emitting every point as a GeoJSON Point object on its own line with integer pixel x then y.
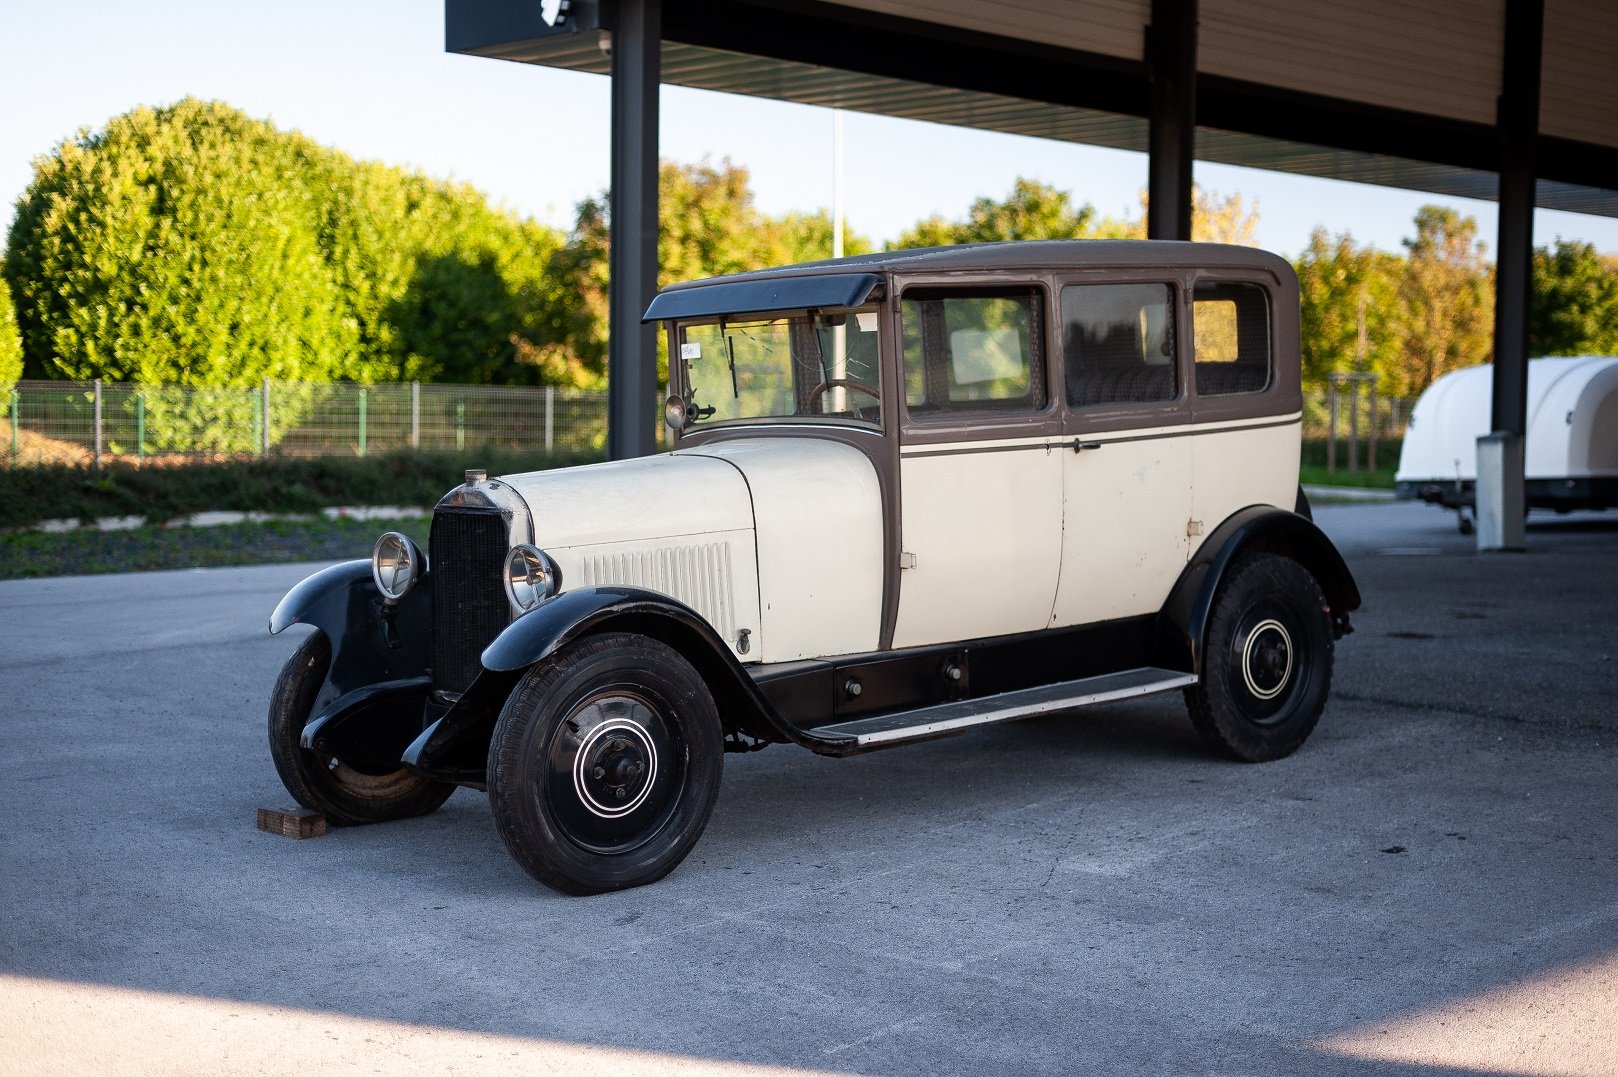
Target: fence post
{"type": "Point", "coordinates": [140, 428]}
{"type": "Point", "coordinates": [1331, 424]}
{"type": "Point", "coordinates": [1370, 464]}
{"type": "Point", "coordinates": [415, 415]}
{"type": "Point", "coordinates": [362, 420]}
{"type": "Point", "coordinates": [460, 425]}
{"type": "Point", "coordinates": [264, 428]}
{"type": "Point", "coordinates": [16, 413]}
{"type": "Point", "coordinates": [1353, 423]}
{"type": "Point", "coordinates": [98, 422]}
{"type": "Point", "coordinates": [550, 417]}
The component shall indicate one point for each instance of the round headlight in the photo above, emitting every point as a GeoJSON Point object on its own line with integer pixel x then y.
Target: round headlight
{"type": "Point", "coordinates": [396, 565]}
{"type": "Point", "coordinates": [675, 413]}
{"type": "Point", "coordinates": [531, 576]}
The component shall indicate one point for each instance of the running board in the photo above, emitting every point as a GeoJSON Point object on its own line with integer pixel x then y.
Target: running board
{"type": "Point", "coordinates": [886, 729]}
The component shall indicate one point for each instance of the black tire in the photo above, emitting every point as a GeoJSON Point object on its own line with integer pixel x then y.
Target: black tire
{"type": "Point", "coordinates": [1267, 661]}
{"type": "Point", "coordinates": [605, 764]}
{"type": "Point", "coordinates": [345, 795]}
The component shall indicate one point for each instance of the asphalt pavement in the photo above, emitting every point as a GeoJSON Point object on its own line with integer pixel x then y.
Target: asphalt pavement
{"type": "Point", "coordinates": [1430, 886]}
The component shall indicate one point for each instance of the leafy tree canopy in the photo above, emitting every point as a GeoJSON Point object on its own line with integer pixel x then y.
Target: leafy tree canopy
{"type": "Point", "coordinates": [1446, 301]}
{"type": "Point", "coordinates": [709, 226]}
{"type": "Point", "coordinates": [1574, 309]}
{"type": "Point", "coordinates": [1034, 210]}
{"type": "Point", "coordinates": [10, 341]}
{"type": "Point", "coordinates": [1348, 299]}
{"type": "Point", "coordinates": [176, 245]}
{"type": "Point", "coordinates": [195, 245]}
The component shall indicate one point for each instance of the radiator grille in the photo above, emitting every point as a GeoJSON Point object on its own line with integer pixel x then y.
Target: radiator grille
{"type": "Point", "coordinates": [699, 576]}
{"type": "Point", "coordinates": [468, 549]}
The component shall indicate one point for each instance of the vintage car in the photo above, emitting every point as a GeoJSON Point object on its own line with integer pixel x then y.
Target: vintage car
{"type": "Point", "coordinates": [909, 494]}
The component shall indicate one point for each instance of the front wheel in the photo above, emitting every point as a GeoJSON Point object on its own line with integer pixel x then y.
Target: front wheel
{"type": "Point", "coordinates": [1267, 661]}
{"type": "Point", "coordinates": [346, 794]}
{"type": "Point", "coordinates": [605, 764]}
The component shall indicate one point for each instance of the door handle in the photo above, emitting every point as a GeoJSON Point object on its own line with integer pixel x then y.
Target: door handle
{"type": "Point", "coordinates": [1080, 446]}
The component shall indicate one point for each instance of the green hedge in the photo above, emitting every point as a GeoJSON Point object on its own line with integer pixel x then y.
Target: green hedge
{"type": "Point", "coordinates": [29, 495]}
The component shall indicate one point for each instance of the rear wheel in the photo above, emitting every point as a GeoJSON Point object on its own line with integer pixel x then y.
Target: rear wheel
{"type": "Point", "coordinates": [605, 764]}
{"type": "Point", "coordinates": [1267, 661]}
{"type": "Point", "coordinates": [345, 794]}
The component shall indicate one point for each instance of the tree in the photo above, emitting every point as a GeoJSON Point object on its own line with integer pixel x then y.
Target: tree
{"type": "Point", "coordinates": [176, 245]}
{"type": "Point", "coordinates": [193, 245]}
{"type": "Point", "coordinates": [1033, 210]}
{"type": "Point", "coordinates": [1574, 309]}
{"type": "Point", "coordinates": [10, 341]}
{"type": "Point", "coordinates": [709, 226]}
{"type": "Point", "coordinates": [1446, 301]}
{"type": "Point", "coordinates": [1348, 298]}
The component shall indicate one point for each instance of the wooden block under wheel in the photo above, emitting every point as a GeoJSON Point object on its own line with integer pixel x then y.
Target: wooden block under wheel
{"type": "Point", "coordinates": [291, 822]}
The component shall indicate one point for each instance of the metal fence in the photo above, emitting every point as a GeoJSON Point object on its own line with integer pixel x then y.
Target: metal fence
{"type": "Point", "coordinates": [91, 423]}
{"type": "Point", "coordinates": [1359, 426]}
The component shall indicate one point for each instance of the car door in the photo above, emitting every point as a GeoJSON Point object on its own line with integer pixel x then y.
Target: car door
{"type": "Point", "coordinates": [1127, 460]}
{"type": "Point", "coordinates": [980, 478]}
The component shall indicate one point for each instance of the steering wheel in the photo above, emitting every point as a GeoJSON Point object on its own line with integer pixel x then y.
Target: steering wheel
{"type": "Point", "coordinates": [848, 383]}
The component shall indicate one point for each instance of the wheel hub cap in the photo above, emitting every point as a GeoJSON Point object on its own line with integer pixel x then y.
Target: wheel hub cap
{"type": "Point", "coordinates": [616, 763]}
{"type": "Point", "coordinates": [1267, 659]}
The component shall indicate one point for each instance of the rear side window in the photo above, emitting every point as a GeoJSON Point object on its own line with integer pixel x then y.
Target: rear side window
{"type": "Point", "coordinates": [1118, 342]}
{"type": "Point", "coordinates": [970, 350]}
{"type": "Point", "coordinates": [1232, 338]}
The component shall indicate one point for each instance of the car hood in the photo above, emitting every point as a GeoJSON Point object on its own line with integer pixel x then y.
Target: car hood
{"type": "Point", "coordinates": [654, 497]}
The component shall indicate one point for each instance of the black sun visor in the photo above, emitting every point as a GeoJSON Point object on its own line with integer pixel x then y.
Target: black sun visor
{"type": "Point", "coordinates": [764, 296]}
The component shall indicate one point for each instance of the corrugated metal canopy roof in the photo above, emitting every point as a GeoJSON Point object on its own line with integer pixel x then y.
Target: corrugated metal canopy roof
{"type": "Point", "coordinates": [1382, 105]}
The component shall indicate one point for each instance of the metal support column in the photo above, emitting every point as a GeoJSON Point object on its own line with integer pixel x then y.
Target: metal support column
{"type": "Point", "coordinates": [1500, 494]}
{"type": "Point", "coordinates": [631, 346]}
{"type": "Point", "coordinates": [1171, 60]}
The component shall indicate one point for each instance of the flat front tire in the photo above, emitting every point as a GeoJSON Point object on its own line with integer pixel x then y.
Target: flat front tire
{"type": "Point", "coordinates": [346, 795]}
{"type": "Point", "coordinates": [605, 764]}
{"type": "Point", "coordinates": [1266, 663]}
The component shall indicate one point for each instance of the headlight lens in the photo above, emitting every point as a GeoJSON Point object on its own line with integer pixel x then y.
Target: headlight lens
{"type": "Point", "coordinates": [396, 565]}
{"type": "Point", "coordinates": [675, 413]}
{"type": "Point", "coordinates": [531, 576]}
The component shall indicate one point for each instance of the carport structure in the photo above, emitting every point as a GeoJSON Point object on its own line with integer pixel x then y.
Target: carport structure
{"type": "Point", "coordinates": [1510, 100]}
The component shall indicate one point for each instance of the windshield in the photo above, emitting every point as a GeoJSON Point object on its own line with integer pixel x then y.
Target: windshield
{"type": "Point", "coordinates": [820, 364]}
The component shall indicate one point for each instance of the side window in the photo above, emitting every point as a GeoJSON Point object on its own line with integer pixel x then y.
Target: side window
{"type": "Point", "coordinates": [971, 350]}
{"type": "Point", "coordinates": [1118, 340]}
{"type": "Point", "coordinates": [1232, 338]}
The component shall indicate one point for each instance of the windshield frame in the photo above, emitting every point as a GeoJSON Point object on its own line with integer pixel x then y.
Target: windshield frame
{"type": "Point", "coordinates": [864, 412]}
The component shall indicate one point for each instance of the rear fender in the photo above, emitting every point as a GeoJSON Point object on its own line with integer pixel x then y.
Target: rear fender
{"type": "Point", "coordinates": [1183, 621]}
{"type": "Point", "coordinates": [373, 644]}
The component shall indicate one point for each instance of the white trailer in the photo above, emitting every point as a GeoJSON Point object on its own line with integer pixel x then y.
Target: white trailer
{"type": "Point", "coordinates": [1571, 450]}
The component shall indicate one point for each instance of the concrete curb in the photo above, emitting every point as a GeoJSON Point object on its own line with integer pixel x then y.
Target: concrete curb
{"type": "Point", "coordinates": [1348, 493]}
{"type": "Point", "coordinates": [219, 519]}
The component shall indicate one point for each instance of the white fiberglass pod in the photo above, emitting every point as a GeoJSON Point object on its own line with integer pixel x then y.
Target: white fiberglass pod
{"type": "Point", "coordinates": [1571, 453]}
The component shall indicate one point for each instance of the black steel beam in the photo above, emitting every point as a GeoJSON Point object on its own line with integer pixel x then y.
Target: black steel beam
{"type": "Point", "coordinates": [849, 39]}
{"type": "Point", "coordinates": [632, 264]}
{"type": "Point", "coordinates": [1171, 63]}
{"type": "Point", "coordinates": [1514, 264]}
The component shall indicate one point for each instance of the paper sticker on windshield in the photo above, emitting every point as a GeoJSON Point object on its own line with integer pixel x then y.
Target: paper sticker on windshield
{"type": "Point", "coordinates": [867, 320]}
{"type": "Point", "coordinates": [690, 351]}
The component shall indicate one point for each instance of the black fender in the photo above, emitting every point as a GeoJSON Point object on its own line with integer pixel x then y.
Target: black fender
{"type": "Point", "coordinates": [455, 748]}
{"type": "Point", "coordinates": [1182, 623]}
{"type": "Point", "coordinates": [372, 701]}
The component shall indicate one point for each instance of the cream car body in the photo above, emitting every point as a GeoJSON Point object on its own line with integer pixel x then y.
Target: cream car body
{"type": "Point", "coordinates": [909, 494]}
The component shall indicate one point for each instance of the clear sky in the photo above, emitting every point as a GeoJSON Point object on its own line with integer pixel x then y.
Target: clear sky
{"type": "Point", "coordinates": [372, 78]}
